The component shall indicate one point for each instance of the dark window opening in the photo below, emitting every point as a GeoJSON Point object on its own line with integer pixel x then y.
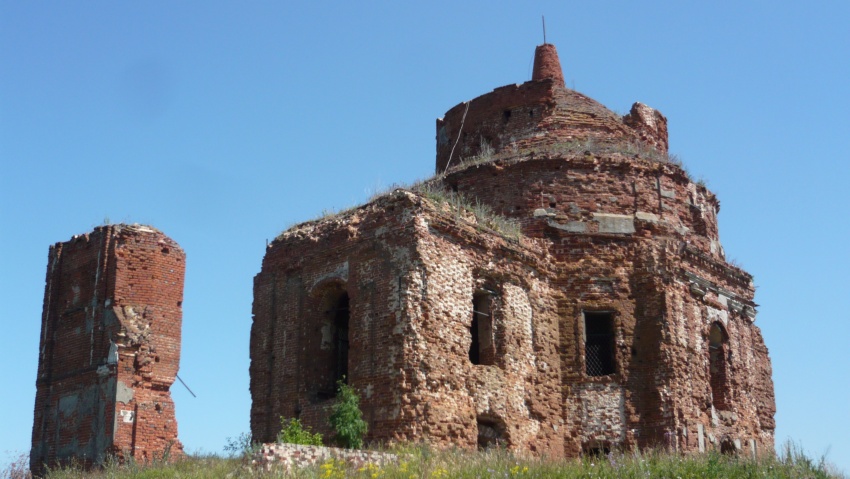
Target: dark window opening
{"type": "Point", "coordinates": [698, 220]}
{"type": "Point", "coordinates": [506, 115]}
{"type": "Point", "coordinates": [717, 367]}
{"type": "Point", "coordinates": [475, 346]}
{"type": "Point", "coordinates": [341, 316]}
{"type": "Point", "coordinates": [331, 359]}
{"type": "Point", "coordinates": [324, 394]}
{"type": "Point", "coordinates": [491, 433]}
{"type": "Point", "coordinates": [595, 449]}
{"type": "Point", "coordinates": [728, 447]}
{"type": "Point", "coordinates": [599, 344]}
{"type": "Point", "coordinates": [531, 113]}
{"type": "Point", "coordinates": [482, 347]}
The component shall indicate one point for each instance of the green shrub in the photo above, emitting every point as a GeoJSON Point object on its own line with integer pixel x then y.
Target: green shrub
{"type": "Point", "coordinates": [346, 418]}
{"type": "Point", "coordinates": [293, 432]}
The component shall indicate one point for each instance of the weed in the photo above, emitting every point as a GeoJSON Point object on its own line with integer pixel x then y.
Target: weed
{"type": "Point", "coordinates": [485, 155]}
{"type": "Point", "coordinates": [585, 146]}
{"type": "Point", "coordinates": [293, 432]}
{"type": "Point", "coordinates": [18, 467]}
{"type": "Point", "coordinates": [333, 469]}
{"type": "Point", "coordinates": [241, 446]}
{"type": "Point", "coordinates": [483, 213]}
{"type": "Point", "coordinates": [735, 263]}
{"type": "Point", "coordinates": [422, 462]}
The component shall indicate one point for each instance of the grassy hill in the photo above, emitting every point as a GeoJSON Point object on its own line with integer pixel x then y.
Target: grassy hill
{"type": "Point", "coordinates": [424, 463]}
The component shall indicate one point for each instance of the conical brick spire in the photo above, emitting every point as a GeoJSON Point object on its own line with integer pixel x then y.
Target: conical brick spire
{"type": "Point", "coordinates": [546, 64]}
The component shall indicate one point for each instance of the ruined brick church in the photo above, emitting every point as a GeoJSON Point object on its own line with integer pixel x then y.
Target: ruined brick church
{"type": "Point", "coordinates": [612, 320]}
{"type": "Point", "coordinates": [558, 288]}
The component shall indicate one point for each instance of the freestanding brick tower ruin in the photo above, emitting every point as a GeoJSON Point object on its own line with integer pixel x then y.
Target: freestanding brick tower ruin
{"type": "Point", "coordinates": [110, 348]}
{"type": "Point", "coordinates": [612, 321]}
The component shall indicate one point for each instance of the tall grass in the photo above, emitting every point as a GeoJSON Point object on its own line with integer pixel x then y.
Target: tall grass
{"type": "Point", "coordinates": [436, 191]}
{"type": "Point", "coordinates": [424, 463]}
{"type": "Point", "coordinates": [433, 189]}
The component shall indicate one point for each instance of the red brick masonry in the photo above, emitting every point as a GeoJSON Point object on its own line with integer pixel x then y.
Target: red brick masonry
{"type": "Point", "coordinates": [110, 348]}
{"type": "Point", "coordinates": [613, 322]}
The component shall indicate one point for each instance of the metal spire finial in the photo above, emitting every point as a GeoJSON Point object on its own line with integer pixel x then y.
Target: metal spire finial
{"type": "Point", "coordinates": [544, 28]}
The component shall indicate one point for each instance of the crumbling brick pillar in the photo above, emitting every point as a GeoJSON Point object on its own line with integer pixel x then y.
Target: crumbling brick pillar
{"type": "Point", "coordinates": [109, 348]}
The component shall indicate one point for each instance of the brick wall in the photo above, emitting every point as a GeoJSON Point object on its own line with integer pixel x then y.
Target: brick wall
{"type": "Point", "coordinates": [624, 239]}
{"type": "Point", "coordinates": [411, 276]}
{"type": "Point", "coordinates": [110, 348]}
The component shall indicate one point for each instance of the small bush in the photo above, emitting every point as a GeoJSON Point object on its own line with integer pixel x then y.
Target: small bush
{"type": "Point", "coordinates": [243, 445]}
{"type": "Point", "coordinates": [293, 432]}
{"type": "Point", "coordinates": [346, 418]}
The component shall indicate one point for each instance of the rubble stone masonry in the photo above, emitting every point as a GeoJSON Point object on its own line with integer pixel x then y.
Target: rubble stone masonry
{"type": "Point", "coordinates": [614, 321]}
{"type": "Point", "coordinates": [109, 349]}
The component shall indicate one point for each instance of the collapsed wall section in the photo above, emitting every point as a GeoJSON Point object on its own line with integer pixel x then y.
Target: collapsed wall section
{"type": "Point", "coordinates": [330, 304]}
{"type": "Point", "coordinates": [109, 348]}
{"type": "Point", "coordinates": [451, 331]}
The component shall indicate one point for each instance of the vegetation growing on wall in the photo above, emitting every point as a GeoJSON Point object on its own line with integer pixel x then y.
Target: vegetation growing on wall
{"type": "Point", "coordinates": [292, 432]}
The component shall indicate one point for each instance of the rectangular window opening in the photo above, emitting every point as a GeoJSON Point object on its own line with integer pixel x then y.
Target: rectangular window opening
{"type": "Point", "coordinates": [599, 343]}
{"type": "Point", "coordinates": [482, 349]}
{"type": "Point", "coordinates": [596, 449]}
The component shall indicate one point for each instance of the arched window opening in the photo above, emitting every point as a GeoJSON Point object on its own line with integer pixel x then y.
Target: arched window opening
{"type": "Point", "coordinates": [599, 343]}
{"type": "Point", "coordinates": [717, 350]}
{"type": "Point", "coordinates": [482, 348]}
{"type": "Point", "coordinates": [727, 446]}
{"type": "Point", "coordinates": [330, 361]}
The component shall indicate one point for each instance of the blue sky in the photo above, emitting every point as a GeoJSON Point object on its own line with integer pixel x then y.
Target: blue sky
{"type": "Point", "coordinates": [223, 123]}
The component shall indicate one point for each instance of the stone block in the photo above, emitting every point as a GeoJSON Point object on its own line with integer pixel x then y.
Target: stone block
{"type": "Point", "coordinates": [615, 224]}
